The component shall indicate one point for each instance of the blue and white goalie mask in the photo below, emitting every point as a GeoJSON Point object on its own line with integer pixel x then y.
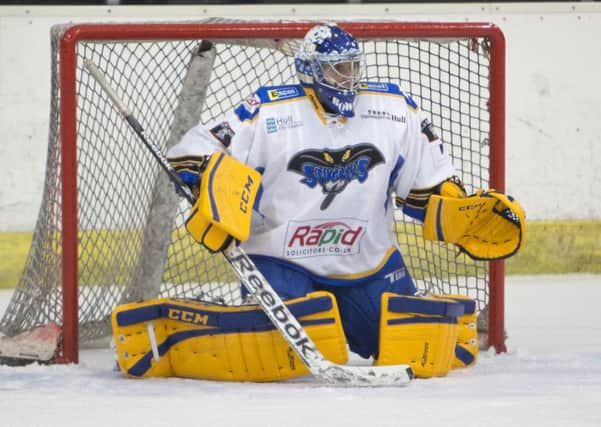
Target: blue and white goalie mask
{"type": "Point", "coordinates": [329, 60]}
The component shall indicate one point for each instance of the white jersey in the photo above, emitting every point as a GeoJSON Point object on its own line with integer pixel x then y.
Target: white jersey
{"type": "Point", "coordinates": [326, 203]}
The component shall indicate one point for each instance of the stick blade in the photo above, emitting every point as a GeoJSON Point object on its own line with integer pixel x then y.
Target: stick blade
{"type": "Point", "coordinates": [366, 376]}
{"type": "Point", "coordinates": [41, 344]}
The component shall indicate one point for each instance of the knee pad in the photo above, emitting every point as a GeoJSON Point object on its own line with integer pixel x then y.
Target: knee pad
{"type": "Point", "coordinates": [191, 339]}
{"type": "Point", "coordinates": [420, 332]}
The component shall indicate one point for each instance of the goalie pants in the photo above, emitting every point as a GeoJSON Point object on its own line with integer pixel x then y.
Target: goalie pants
{"type": "Point", "coordinates": [359, 301]}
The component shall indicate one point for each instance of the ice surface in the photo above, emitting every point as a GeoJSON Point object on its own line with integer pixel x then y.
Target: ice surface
{"type": "Point", "coordinates": [551, 376]}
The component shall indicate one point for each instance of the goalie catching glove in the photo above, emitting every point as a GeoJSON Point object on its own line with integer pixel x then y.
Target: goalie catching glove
{"type": "Point", "coordinates": [223, 209]}
{"type": "Point", "coordinates": [488, 225]}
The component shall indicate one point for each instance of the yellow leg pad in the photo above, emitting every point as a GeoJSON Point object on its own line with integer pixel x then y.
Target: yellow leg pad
{"type": "Point", "coordinates": [209, 341]}
{"type": "Point", "coordinates": [466, 348]}
{"type": "Point", "coordinates": [132, 340]}
{"type": "Point", "coordinates": [420, 332]}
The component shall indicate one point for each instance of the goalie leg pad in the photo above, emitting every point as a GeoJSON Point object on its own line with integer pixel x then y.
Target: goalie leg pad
{"type": "Point", "coordinates": [466, 348]}
{"type": "Point", "coordinates": [420, 332]}
{"type": "Point", "coordinates": [228, 191]}
{"type": "Point", "coordinates": [208, 341]}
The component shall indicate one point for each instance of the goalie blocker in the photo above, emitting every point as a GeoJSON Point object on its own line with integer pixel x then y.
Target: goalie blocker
{"type": "Point", "coordinates": [223, 210]}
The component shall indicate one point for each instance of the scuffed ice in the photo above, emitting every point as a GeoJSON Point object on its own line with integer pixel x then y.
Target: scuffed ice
{"type": "Point", "coordinates": [551, 376]}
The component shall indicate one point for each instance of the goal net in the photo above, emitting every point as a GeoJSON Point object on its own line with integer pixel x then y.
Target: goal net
{"type": "Point", "coordinates": [110, 227]}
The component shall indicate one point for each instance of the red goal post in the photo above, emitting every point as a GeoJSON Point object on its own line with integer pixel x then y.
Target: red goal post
{"type": "Point", "coordinates": [455, 72]}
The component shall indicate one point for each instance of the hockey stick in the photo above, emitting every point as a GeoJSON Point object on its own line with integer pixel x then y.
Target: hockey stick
{"type": "Point", "coordinates": [261, 290]}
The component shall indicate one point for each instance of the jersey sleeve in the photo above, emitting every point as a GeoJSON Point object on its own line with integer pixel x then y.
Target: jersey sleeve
{"type": "Point", "coordinates": [425, 162]}
{"type": "Point", "coordinates": [232, 133]}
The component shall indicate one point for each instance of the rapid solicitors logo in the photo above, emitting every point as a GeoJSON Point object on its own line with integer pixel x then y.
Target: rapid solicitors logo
{"type": "Point", "coordinates": [318, 238]}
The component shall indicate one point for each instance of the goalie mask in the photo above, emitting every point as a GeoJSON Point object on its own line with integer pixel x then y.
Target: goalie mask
{"type": "Point", "coordinates": [330, 62]}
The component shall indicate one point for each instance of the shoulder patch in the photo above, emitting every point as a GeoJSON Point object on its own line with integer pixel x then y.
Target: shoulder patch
{"type": "Point", "coordinates": [223, 132]}
{"type": "Point", "coordinates": [280, 93]}
{"type": "Point", "coordinates": [249, 108]}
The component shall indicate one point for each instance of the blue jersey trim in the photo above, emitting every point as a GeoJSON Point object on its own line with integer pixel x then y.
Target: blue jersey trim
{"type": "Point", "coordinates": [244, 114]}
{"type": "Point", "coordinates": [415, 213]}
{"type": "Point", "coordinates": [266, 95]}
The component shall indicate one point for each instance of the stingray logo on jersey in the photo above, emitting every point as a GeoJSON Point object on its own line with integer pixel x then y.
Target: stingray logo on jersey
{"type": "Point", "coordinates": [319, 238]}
{"type": "Point", "coordinates": [274, 124]}
{"type": "Point", "coordinates": [332, 170]}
